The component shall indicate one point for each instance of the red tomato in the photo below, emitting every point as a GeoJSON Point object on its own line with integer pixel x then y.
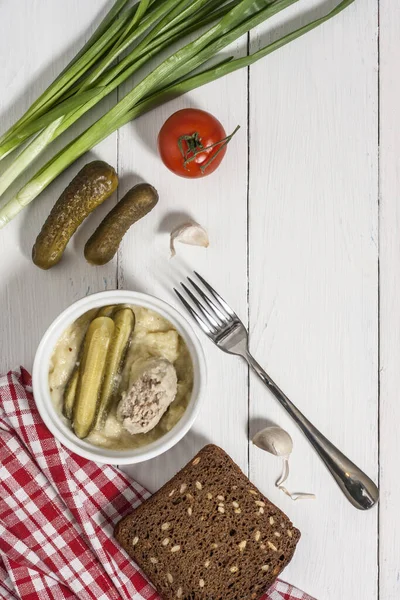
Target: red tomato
{"type": "Point", "coordinates": [192, 143]}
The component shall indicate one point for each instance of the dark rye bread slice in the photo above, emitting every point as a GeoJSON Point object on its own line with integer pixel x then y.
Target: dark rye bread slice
{"type": "Point", "coordinates": [209, 534]}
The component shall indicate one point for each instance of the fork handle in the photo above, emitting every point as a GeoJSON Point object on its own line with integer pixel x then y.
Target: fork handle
{"type": "Point", "coordinates": [358, 488]}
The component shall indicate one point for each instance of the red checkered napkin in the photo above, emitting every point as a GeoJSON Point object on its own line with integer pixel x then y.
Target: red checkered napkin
{"type": "Point", "coordinates": [58, 511]}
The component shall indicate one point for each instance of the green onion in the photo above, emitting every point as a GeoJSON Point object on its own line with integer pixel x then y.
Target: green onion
{"type": "Point", "coordinates": [102, 28]}
{"type": "Point", "coordinates": [141, 9]}
{"type": "Point", "coordinates": [174, 76]}
{"type": "Point", "coordinates": [169, 35]}
{"type": "Point", "coordinates": [225, 67]}
{"type": "Point", "coordinates": [64, 108]}
{"type": "Point", "coordinates": [158, 13]}
{"type": "Point", "coordinates": [32, 151]}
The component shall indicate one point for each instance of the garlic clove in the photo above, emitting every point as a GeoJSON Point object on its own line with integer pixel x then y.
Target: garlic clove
{"type": "Point", "coordinates": [274, 440]}
{"type": "Point", "coordinates": [278, 442]}
{"type": "Point", "coordinates": [190, 233]}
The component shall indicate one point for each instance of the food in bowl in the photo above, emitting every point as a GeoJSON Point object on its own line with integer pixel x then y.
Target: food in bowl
{"type": "Point", "coordinates": [121, 376]}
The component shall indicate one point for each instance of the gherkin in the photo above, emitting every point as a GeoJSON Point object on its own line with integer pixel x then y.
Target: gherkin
{"type": "Point", "coordinates": [90, 188]}
{"type": "Point", "coordinates": [103, 244]}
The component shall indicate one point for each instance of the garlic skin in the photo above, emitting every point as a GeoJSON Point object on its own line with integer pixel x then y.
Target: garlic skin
{"type": "Point", "coordinates": [278, 442]}
{"type": "Point", "coordinates": [190, 233]}
{"type": "Point", "coordinates": [274, 440]}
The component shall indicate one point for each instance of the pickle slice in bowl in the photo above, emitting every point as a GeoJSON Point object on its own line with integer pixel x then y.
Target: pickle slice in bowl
{"type": "Point", "coordinates": [124, 321]}
{"type": "Point", "coordinates": [107, 311]}
{"type": "Point", "coordinates": [70, 393]}
{"type": "Point", "coordinates": [91, 374]}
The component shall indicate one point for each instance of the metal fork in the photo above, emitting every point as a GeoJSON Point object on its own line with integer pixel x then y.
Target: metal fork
{"type": "Point", "coordinates": [226, 330]}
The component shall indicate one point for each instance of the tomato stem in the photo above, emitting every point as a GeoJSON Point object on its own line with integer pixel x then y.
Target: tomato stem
{"type": "Point", "coordinates": [195, 147]}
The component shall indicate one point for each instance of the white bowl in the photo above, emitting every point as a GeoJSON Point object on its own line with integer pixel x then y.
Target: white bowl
{"type": "Point", "coordinates": [56, 422]}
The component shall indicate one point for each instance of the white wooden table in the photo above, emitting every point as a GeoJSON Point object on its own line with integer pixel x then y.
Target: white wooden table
{"type": "Point", "coordinates": [305, 243]}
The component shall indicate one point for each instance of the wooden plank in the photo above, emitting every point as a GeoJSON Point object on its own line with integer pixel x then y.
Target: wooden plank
{"type": "Point", "coordinates": [218, 202]}
{"type": "Point", "coordinates": [30, 58]}
{"type": "Point", "coordinates": [389, 294]}
{"type": "Point", "coordinates": [314, 280]}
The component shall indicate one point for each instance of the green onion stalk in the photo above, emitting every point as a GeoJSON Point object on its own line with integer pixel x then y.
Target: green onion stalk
{"type": "Point", "coordinates": [173, 77]}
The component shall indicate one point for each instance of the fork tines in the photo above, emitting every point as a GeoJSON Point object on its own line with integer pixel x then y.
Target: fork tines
{"type": "Point", "coordinates": [213, 312]}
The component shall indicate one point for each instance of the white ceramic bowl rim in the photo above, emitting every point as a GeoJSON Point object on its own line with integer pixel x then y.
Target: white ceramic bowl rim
{"type": "Point", "coordinates": [56, 423]}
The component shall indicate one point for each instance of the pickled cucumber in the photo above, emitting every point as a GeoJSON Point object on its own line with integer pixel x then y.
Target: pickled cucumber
{"type": "Point", "coordinates": [72, 384]}
{"type": "Point", "coordinates": [107, 311]}
{"type": "Point", "coordinates": [103, 244]}
{"type": "Point", "coordinates": [124, 320]}
{"type": "Point", "coordinates": [91, 374]}
{"type": "Point", "coordinates": [91, 186]}
{"type": "Point", "coordinates": [70, 393]}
